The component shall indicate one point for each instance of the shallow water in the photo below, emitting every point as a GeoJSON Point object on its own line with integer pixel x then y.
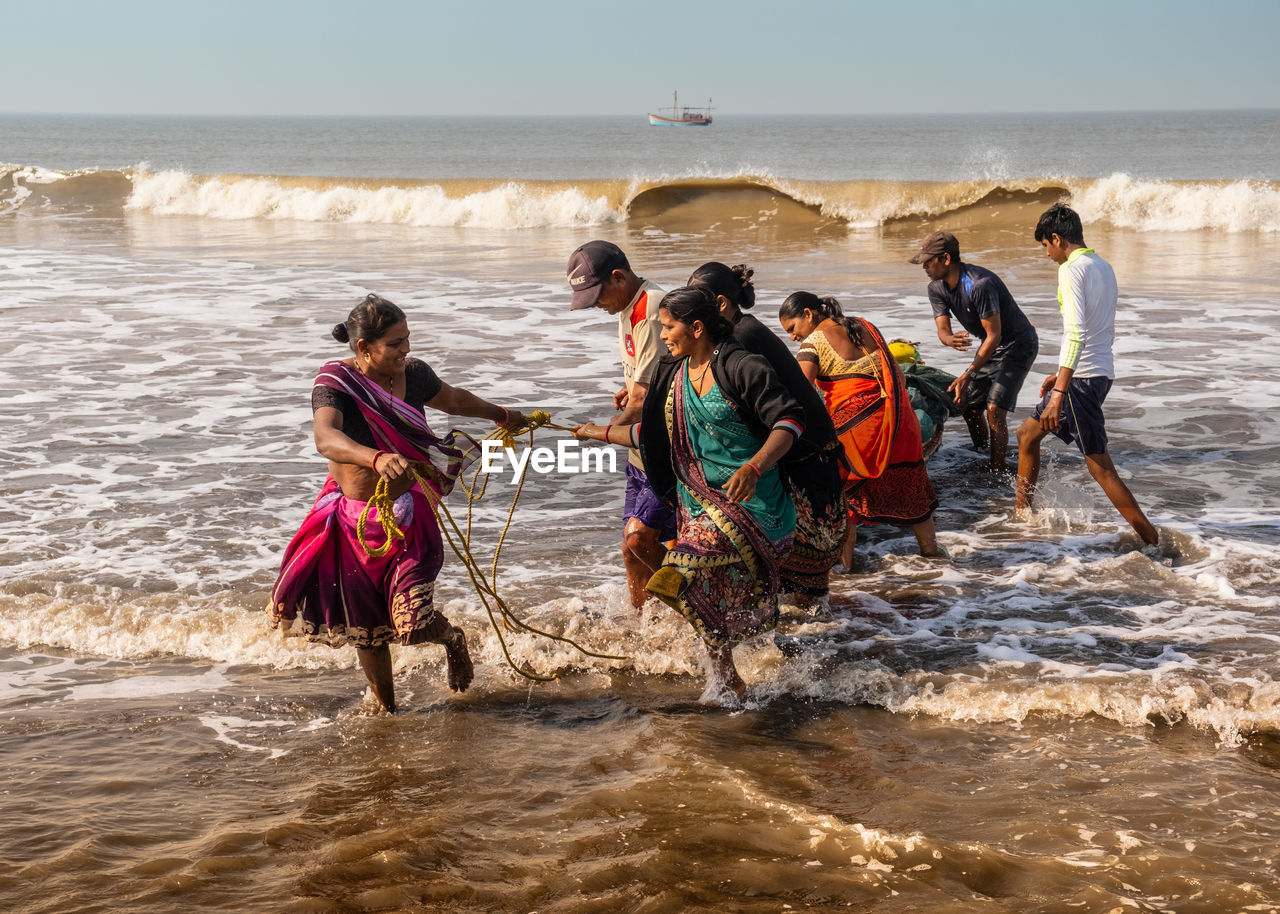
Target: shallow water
{"type": "Point", "coordinates": [235, 788]}
{"type": "Point", "coordinates": [1055, 719]}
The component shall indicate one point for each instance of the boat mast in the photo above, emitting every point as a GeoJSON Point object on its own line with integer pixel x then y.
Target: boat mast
{"type": "Point", "coordinates": [675, 103]}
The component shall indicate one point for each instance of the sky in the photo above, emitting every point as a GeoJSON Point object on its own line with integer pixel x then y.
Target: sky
{"type": "Point", "coordinates": [573, 57]}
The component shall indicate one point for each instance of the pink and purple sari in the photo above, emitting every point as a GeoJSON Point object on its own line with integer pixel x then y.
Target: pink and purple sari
{"type": "Point", "coordinates": [329, 588]}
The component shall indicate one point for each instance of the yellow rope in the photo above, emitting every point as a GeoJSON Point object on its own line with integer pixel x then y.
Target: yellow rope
{"type": "Point", "coordinates": [486, 590]}
{"type": "Point", "coordinates": [386, 516]}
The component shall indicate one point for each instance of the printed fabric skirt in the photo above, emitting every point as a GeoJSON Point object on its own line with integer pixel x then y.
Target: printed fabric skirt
{"type": "Point", "coordinates": [332, 591]}
{"type": "Point", "coordinates": [816, 488]}
{"type": "Point", "coordinates": [903, 495]}
{"type": "Point", "coordinates": [706, 579]}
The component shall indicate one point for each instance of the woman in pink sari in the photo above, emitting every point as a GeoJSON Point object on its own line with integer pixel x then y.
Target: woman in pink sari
{"type": "Point", "coordinates": [369, 423]}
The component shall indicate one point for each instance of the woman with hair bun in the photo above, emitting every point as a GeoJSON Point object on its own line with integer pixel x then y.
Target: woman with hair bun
{"type": "Point", "coordinates": [369, 422]}
{"type": "Point", "coordinates": [715, 424]}
{"type": "Point", "coordinates": [812, 467]}
{"type": "Point", "coordinates": [867, 398]}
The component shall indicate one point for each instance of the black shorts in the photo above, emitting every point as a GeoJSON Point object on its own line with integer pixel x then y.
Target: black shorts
{"type": "Point", "coordinates": [1081, 420]}
{"type": "Point", "coordinates": [999, 381]}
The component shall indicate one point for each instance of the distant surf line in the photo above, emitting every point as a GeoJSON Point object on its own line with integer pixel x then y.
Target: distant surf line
{"type": "Point", "coordinates": [684, 200]}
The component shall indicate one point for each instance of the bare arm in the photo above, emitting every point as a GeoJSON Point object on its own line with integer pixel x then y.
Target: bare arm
{"type": "Point", "coordinates": [958, 341]}
{"type": "Point", "coordinates": [457, 401]}
{"type": "Point", "coordinates": [809, 362]}
{"type": "Point", "coordinates": [1056, 386]}
{"type": "Point", "coordinates": [633, 406]}
{"type": "Point", "coordinates": [334, 444]}
{"type": "Point", "coordinates": [990, 344]}
{"type": "Point", "coordinates": [352, 464]}
{"type": "Point", "coordinates": [985, 351]}
{"type": "Point", "coordinates": [609, 434]}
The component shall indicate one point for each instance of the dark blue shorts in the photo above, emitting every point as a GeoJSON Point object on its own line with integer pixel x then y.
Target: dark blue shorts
{"type": "Point", "coordinates": [645, 506]}
{"type": "Point", "coordinates": [1001, 378]}
{"type": "Point", "coordinates": [1082, 421]}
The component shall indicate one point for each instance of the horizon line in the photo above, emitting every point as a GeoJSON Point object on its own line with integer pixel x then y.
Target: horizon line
{"type": "Point", "coordinates": [778, 114]}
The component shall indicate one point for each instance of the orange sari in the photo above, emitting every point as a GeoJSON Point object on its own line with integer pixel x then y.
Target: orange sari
{"type": "Point", "coordinates": [868, 402]}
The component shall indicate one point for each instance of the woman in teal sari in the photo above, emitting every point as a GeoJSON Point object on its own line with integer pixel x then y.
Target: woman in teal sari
{"type": "Point", "coordinates": [716, 422]}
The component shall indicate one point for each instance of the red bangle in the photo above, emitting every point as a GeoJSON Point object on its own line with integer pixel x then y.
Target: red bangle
{"type": "Point", "coordinates": [506, 416]}
{"type": "Point", "coordinates": [373, 465]}
{"type": "Point", "coordinates": [607, 429]}
{"type": "Point", "coordinates": [754, 467]}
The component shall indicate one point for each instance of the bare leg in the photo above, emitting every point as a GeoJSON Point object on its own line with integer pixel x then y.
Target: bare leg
{"type": "Point", "coordinates": [642, 554]}
{"type": "Point", "coordinates": [926, 536]}
{"type": "Point", "coordinates": [1030, 434]}
{"type": "Point", "coordinates": [997, 420]}
{"type": "Point", "coordinates": [850, 541]}
{"type": "Point", "coordinates": [460, 669]}
{"type": "Point", "coordinates": [376, 663]}
{"type": "Point", "coordinates": [1104, 473]}
{"type": "Point", "coordinates": [725, 671]}
{"type": "Point", "coordinates": [978, 431]}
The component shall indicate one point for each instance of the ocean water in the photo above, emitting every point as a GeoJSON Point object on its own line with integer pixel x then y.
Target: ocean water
{"type": "Point", "coordinates": [1055, 719]}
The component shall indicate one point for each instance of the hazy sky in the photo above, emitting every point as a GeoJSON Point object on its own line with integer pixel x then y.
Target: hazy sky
{"type": "Point", "coordinates": [576, 57]}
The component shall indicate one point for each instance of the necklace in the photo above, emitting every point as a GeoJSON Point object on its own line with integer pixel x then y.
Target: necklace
{"type": "Point", "coordinates": [697, 382]}
{"type": "Point", "coordinates": [388, 385]}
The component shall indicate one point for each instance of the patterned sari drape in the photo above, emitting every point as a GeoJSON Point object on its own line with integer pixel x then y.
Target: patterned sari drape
{"type": "Point", "coordinates": [341, 593]}
{"type": "Point", "coordinates": [722, 574]}
{"type": "Point", "coordinates": [868, 403]}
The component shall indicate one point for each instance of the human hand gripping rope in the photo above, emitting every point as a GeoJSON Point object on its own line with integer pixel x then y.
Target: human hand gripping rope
{"type": "Point", "coordinates": [486, 590]}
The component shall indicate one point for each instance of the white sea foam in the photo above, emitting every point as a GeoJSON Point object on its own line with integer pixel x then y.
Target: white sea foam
{"type": "Point", "coordinates": [226, 728]}
{"type": "Point", "coordinates": [133, 687]}
{"type": "Point", "coordinates": [163, 459]}
{"type": "Point", "coordinates": [1175, 206]}
{"type": "Point", "coordinates": [1236, 206]}
{"type": "Point", "coordinates": [511, 205]}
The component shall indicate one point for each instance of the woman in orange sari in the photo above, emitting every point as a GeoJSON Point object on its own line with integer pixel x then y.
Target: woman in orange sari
{"type": "Point", "coordinates": [865, 393]}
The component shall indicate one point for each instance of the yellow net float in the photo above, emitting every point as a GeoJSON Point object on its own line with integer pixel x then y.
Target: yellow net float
{"type": "Point", "coordinates": [904, 352]}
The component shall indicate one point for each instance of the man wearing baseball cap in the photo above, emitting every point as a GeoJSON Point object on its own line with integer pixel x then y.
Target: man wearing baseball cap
{"type": "Point", "coordinates": [601, 277]}
{"type": "Point", "coordinates": [1007, 346]}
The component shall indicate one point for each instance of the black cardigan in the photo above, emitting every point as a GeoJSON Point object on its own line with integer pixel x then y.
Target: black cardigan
{"type": "Point", "coordinates": [819, 430]}
{"type": "Point", "coordinates": [748, 383]}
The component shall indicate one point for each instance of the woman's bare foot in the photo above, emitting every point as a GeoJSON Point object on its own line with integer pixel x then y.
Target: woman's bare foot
{"type": "Point", "coordinates": [458, 659]}
{"type": "Point", "coordinates": [725, 684]}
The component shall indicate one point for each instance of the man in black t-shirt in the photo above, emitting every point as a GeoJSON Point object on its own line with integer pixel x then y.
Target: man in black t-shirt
{"type": "Point", "coordinates": [1007, 342]}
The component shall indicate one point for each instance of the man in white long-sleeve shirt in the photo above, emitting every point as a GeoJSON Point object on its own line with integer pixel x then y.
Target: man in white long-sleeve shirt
{"type": "Point", "coordinates": [1071, 400]}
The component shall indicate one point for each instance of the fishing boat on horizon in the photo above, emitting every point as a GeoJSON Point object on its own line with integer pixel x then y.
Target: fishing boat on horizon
{"type": "Point", "coordinates": [681, 117]}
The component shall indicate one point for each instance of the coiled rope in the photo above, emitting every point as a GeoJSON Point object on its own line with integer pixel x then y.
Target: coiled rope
{"type": "Point", "coordinates": [492, 601]}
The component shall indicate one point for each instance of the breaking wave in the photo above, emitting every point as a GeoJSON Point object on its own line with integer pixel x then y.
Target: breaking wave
{"type": "Point", "coordinates": [681, 201]}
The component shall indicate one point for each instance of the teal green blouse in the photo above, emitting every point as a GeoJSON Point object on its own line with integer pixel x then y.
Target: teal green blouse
{"type": "Point", "coordinates": [723, 444]}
